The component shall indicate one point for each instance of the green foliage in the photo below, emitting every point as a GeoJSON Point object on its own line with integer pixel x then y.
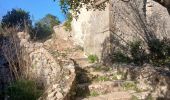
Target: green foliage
{"type": "Point", "coordinates": [43, 29]}
{"type": "Point", "coordinates": [138, 53]}
{"type": "Point", "coordinates": [92, 58]}
{"type": "Point", "coordinates": [129, 85]}
{"type": "Point", "coordinates": [23, 90]}
{"type": "Point", "coordinates": [94, 93]}
{"type": "Point", "coordinates": [159, 51]}
{"type": "Point", "coordinates": [16, 18]}
{"type": "Point", "coordinates": [101, 79]}
{"type": "Point", "coordinates": [121, 57]}
{"type": "Point", "coordinates": [67, 24]}
{"type": "Point", "coordinates": [75, 5]}
{"type": "Point", "coordinates": [50, 21]}
{"type": "Point", "coordinates": [41, 32]}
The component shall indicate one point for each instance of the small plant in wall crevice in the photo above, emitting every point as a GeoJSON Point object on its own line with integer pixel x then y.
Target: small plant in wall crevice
{"type": "Point", "coordinates": [93, 58]}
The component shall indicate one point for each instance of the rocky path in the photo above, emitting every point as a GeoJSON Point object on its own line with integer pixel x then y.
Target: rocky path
{"type": "Point", "coordinates": [93, 81]}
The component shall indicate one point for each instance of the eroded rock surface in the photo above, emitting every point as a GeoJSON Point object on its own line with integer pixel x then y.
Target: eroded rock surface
{"type": "Point", "coordinates": [56, 77]}
{"type": "Point", "coordinates": [149, 78]}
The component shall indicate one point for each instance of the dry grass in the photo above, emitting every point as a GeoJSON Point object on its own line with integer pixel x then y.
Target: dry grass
{"type": "Point", "coordinates": [17, 57]}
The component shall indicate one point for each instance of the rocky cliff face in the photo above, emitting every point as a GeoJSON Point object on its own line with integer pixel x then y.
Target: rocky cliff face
{"type": "Point", "coordinates": [91, 29]}
{"type": "Point", "coordinates": [159, 18]}
{"type": "Point", "coordinates": [121, 21]}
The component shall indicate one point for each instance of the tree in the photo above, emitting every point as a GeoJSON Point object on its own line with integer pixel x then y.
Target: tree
{"type": "Point", "coordinates": [50, 20]}
{"type": "Point", "coordinates": [43, 29]}
{"type": "Point", "coordinates": [16, 18]}
{"type": "Point", "coordinates": [75, 5]}
{"type": "Point", "coordinates": [67, 24]}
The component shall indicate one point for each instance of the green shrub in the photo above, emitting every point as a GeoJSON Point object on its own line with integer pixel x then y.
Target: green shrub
{"type": "Point", "coordinates": [50, 20]}
{"type": "Point", "coordinates": [43, 29]}
{"type": "Point", "coordinates": [121, 57]}
{"type": "Point", "coordinates": [23, 90]}
{"type": "Point", "coordinates": [156, 49]}
{"type": "Point", "coordinates": [94, 93]}
{"type": "Point", "coordinates": [41, 32]}
{"type": "Point", "coordinates": [159, 51]}
{"type": "Point", "coordinates": [16, 18]}
{"type": "Point", "coordinates": [138, 54]}
{"type": "Point", "coordinates": [92, 58]}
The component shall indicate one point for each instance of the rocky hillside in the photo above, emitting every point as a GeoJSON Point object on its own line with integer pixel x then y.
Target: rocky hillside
{"type": "Point", "coordinates": [78, 64]}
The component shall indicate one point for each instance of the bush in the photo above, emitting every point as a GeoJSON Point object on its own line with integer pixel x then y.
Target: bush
{"type": "Point", "coordinates": [159, 51]}
{"type": "Point", "coordinates": [41, 32]}
{"type": "Point", "coordinates": [92, 58]}
{"type": "Point", "coordinates": [16, 18]}
{"type": "Point", "coordinates": [50, 21]}
{"type": "Point", "coordinates": [138, 54]}
{"type": "Point", "coordinates": [43, 29]}
{"type": "Point", "coordinates": [23, 90]}
{"type": "Point", "coordinates": [120, 57]}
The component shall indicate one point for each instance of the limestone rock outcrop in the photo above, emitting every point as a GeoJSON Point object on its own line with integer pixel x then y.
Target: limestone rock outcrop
{"type": "Point", "coordinates": [56, 77]}
{"type": "Point", "coordinates": [149, 78]}
{"type": "Point", "coordinates": [44, 67]}
{"type": "Point", "coordinates": [159, 18]}
{"type": "Point", "coordinates": [99, 32]}
{"type": "Point", "coordinates": [90, 30]}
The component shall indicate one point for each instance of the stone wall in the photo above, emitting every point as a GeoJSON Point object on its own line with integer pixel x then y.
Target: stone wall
{"type": "Point", "coordinates": [91, 29]}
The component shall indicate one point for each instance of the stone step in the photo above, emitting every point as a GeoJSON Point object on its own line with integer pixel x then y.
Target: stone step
{"type": "Point", "coordinates": [98, 88]}
{"type": "Point", "coordinates": [122, 95]}
{"type": "Point", "coordinates": [83, 62]}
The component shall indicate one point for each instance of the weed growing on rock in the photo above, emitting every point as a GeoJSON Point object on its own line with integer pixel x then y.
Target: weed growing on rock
{"type": "Point", "coordinates": [129, 85]}
{"type": "Point", "coordinates": [102, 79]}
{"type": "Point", "coordinates": [93, 58]}
{"type": "Point", "coordinates": [94, 93]}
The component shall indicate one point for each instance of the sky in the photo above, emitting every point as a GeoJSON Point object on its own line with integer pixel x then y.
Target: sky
{"type": "Point", "coordinates": [37, 8]}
